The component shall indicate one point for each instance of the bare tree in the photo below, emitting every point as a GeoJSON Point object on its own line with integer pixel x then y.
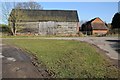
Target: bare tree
{"type": "Point", "coordinates": [6, 10]}
{"type": "Point", "coordinates": [28, 5]}
{"type": "Point", "coordinates": [7, 7]}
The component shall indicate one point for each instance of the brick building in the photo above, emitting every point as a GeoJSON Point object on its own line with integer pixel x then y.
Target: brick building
{"type": "Point", "coordinates": [94, 26]}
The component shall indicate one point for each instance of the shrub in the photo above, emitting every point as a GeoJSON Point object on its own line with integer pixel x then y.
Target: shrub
{"type": "Point", "coordinates": [5, 29]}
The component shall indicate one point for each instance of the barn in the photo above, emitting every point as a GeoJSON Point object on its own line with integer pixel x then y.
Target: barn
{"type": "Point", "coordinates": [45, 22]}
{"type": "Point", "coordinates": [94, 26]}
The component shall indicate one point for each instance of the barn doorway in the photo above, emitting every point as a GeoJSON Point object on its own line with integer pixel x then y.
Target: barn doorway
{"type": "Point", "coordinates": [47, 28]}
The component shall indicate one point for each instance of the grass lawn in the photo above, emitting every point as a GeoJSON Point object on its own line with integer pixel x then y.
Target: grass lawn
{"type": "Point", "coordinates": [68, 59]}
{"type": "Point", "coordinates": [33, 36]}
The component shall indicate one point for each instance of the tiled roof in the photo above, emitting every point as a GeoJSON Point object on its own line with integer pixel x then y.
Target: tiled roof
{"type": "Point", "coordinates": [97, 24]}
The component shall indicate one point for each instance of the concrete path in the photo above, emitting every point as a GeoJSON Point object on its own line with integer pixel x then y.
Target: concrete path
{"type": "Point", "coordinates": [1, 58]}
{"type": "Point", "coordinates": [17, 64]}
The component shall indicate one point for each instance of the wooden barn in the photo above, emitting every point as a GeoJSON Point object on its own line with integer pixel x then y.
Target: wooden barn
{"type": "Point", "coordinates": [45, 22]}
{"type": "Point", "coordinates": [94, 26]}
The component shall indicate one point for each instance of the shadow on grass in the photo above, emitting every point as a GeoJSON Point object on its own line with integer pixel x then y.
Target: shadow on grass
{"type": "Point", "coordinates": [115, 44]}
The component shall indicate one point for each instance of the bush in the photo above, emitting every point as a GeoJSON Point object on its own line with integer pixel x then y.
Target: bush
{"type": "Point", "coordinates": [114, 31]}
{"type": "Point", "coordinates": [5, 29]}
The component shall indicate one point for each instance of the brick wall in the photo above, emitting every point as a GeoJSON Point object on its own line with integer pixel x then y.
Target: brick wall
{"type": "Point", "coordinates": [100, 31]}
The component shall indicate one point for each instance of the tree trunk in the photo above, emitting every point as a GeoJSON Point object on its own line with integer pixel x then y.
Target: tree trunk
{"type": "Point", "coordinates": [14, 29]}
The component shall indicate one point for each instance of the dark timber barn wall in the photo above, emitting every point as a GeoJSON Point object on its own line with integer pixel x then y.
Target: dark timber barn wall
{"type": "Point", "coordinates": [45, 22]}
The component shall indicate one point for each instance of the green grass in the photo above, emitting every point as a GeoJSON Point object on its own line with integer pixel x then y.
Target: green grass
{"type": "Point", "coordinates": [68, 59]}
{"type": "Point", "coordinates": [29, 36]}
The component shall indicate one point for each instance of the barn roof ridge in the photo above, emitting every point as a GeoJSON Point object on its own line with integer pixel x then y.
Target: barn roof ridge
{"type": "Point", "coordinates": [48, 9]}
